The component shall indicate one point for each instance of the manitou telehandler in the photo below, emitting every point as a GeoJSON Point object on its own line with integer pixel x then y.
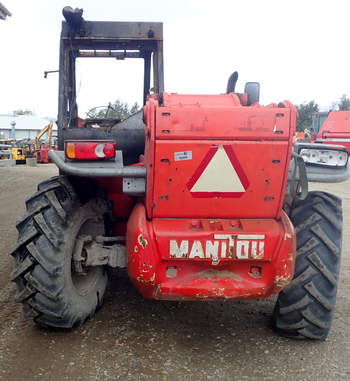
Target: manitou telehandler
{"type": "Point", "coordinates": [331, 128]}
{"type": "Point", "coordinates": [200, 197]}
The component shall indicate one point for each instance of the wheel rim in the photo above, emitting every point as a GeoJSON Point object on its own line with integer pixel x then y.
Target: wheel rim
{"type": "Point", "coordinates": [86, 281]}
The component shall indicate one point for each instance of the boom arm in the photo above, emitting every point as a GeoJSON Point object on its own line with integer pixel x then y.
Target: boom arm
{"type": "Point", "coordinates": [47, 129]}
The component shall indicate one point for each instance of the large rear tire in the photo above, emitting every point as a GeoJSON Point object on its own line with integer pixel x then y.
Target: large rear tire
{"type": "Point", "coordinates": [304, 309]}
{"type": "Point", "coordinates": [47, 284]}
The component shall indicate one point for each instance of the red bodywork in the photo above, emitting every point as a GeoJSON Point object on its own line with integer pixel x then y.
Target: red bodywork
{"type": "Point", "coordinates": [43, 154]}
{"type": "Point", "coordinates": [211, 224]}
{"type": "Point", "coordinates": [336, 129]}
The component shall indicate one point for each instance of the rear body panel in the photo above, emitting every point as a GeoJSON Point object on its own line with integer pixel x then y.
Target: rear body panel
{"type": "Point", "coordinates": [207, 156]}
{"type": "Point", "coordinates": [260, 175]}
{"type": "Point", "coordinates": [171, 259]}
{"type": "Point", "coordinates": [211, 225]}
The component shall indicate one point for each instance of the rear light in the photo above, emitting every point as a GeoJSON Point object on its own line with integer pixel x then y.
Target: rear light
{"type": "Point", "coordinates": [89, 150]}
{"type": "Point", "coordinates": [327, 157]}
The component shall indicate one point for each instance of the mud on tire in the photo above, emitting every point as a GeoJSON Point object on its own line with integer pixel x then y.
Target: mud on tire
{"type": "Point", "coordinates": [46, 284]}
{"type": "Point", "coordinates": [304, 309]}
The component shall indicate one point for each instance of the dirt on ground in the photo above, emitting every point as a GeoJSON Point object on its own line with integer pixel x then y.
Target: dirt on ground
{"type": "Point", "coordinates": [131, 338]}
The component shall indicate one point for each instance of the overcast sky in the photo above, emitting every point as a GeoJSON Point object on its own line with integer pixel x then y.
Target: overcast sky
{"type": "Point", "coordinates": [297, 50]}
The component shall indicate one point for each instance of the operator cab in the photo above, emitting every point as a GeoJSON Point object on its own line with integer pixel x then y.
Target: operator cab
{"type": "Point", "coordinates": [81, 40]}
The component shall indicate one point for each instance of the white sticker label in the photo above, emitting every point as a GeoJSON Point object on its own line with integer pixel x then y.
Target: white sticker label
{"type": "Point", "coordinates": [185, 155]}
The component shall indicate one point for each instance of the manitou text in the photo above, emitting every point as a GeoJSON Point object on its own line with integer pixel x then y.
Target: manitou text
{"type": "Point", "coordinates": [223, 246]}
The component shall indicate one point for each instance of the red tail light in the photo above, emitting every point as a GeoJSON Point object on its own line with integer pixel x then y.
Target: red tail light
{"type": "Point", "coordinates": [90, 150]}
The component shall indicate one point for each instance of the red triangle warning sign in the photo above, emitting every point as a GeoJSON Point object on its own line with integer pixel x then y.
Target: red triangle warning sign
{"type": "Point", "coordinates": [219, 175]}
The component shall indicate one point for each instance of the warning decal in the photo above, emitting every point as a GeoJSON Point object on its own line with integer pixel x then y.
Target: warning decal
{"type": "Point", "coordinates": [219, 175]}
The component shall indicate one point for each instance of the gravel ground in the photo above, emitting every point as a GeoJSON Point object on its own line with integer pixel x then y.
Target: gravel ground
{"type": "Point", "coordinates": [135, 339]}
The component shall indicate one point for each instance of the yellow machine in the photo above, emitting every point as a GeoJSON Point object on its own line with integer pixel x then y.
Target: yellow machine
{"type": "Point", "coordinates": [18, 153]}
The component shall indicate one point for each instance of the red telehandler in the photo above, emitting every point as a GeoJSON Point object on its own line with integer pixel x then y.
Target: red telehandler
{"type": "Point", "coordinates": [331, 128]}
{"type": "Point", "coordinates": [330, 133]}
{"type": "Point", "coordinates": [200, 197]}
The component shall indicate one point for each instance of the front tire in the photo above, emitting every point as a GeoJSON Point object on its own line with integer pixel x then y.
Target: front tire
{"type": "Point", "coordinates": [47, 284]}
{"type": "Point", "coordinates": [304, 309]}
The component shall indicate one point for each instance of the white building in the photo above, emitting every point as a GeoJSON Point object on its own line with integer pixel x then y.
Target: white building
{"type": "Point", "coordinates": [25, 127]}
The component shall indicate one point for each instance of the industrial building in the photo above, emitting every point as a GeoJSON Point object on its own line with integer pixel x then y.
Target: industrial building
{"type": "Point", "coordinates": [20, 127]}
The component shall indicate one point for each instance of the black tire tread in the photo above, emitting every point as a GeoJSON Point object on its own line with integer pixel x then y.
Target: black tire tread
{"type": "Point", "coordinates": [308, 314]}
{"type": "Point", "coordinates": [39, 207]}
{"type": "Point", "coordinates": [318, 263]}
{"type": "Point", "coordinates": [22, 268]}
{"type": "Point", "coordinates": [39, 256]}
{"type": "Point", "coordinates": [24, 292]}
{"type": "Point", "coordinates": [49, 268]}
{"type": "Point", "coordinates": [300, 304]}
{"type": "Point", "coordinates": [52, 198]}
{"type": "Point", "coordinates": [322, 235]}
{"type": "Point", "coordinates": [304, 309]}
{"type": "Point", "coordinates": [46, 231]}
{"type": "Point", "coordinates": [24, 239]}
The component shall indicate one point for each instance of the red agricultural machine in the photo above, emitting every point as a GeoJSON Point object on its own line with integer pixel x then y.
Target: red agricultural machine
{"type": "Point", "coordinates": [200, 197]}
{"type": "Point", "coordinates": [330, 133]}
{"type": "Point", "coordinates": [331, 128]}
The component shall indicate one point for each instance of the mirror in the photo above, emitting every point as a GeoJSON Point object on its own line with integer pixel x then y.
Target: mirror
{"type": "Point", "coordinates": [253, 91]}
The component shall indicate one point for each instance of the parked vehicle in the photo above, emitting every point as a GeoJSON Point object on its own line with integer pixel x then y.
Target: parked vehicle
{"type": "Point", "coordinates": [200, 197]}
